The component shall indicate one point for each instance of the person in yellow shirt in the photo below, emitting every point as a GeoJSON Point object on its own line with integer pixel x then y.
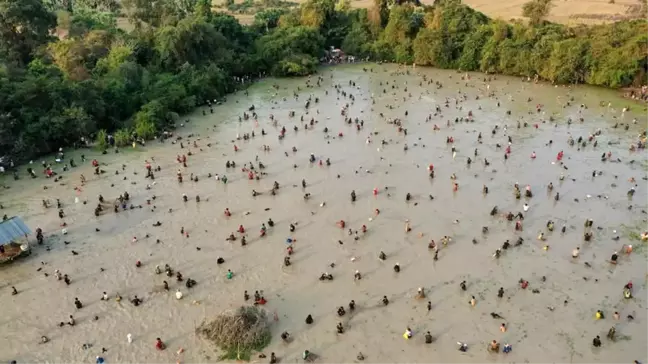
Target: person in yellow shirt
{"type": "Point", "coordinates": [408, 334]}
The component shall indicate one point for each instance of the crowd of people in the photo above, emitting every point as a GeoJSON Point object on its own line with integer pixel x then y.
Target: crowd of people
{"type": "Point", "coordinates": [241, 169]}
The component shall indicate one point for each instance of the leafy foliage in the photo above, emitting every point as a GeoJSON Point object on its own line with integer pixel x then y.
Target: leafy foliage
{"type": "Point", "coordinates": [268, 19]}
{"type": "Point", "coordinates": [25, 25]}
{"type": "Point", "coordinates": [536, 10]}
{"type": "Point", "coordinates": [287, 47]}
{"type": "Point", "coordinates": [87, 78]}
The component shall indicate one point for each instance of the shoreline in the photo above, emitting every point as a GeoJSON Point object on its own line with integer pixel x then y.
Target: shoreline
{"type": "Point", "coordinates": [620, 96]}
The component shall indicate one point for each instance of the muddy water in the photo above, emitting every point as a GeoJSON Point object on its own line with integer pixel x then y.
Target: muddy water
{"type": "Point", "coordinates": [536, 333]}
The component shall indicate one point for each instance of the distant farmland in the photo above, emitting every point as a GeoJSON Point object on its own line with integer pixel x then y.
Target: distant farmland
{"type": "Point", "coordinates": [570, 12]}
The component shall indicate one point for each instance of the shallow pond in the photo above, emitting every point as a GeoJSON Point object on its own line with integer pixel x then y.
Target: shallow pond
{"type": "Point", "coordinates": [555, 324]}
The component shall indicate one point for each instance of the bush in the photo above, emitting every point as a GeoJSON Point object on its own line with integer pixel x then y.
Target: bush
{"type": "Point", "coordinates": [297, 65]}
{"type": "Point", "coordinates": [144, 129]}
{"type": "Point", "coordinates": [122, 137]}
{"type": "Point", "coordinates": [238, 333]}
{"type": "Point", "coordinates": [102, 140]}
{"type": "Point", "coordinates": [536, 10]}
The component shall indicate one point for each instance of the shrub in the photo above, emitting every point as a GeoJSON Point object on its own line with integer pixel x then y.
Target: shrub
{"type": "Point", "coordinates": [238, 333]}
{"type": "Point", "coordinates": [122, 137]}
{"type": "Point", "coordinates": [102, 140]}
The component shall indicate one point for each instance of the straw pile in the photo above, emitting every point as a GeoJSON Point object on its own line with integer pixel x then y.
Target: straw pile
{"type": "Point", "coordinates": [238, 333]}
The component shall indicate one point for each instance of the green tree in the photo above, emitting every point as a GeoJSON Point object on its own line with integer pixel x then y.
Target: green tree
{"type": "Point", "coordinates": [290, 19]}
{"type": "Point", "coordinates": [138, 82]}
{"type": "Point", "coordinates": [295, 65]}
{"type": "Point", "coordinates": [25, 25]}
{"type": "Point", "coordinates": [614, 56]}
{"type": "Point", "coordinates": [383, 50]}
{"type": "Point", "coordinates": [101, 140]}
{"type": "Point", "coordinates": [84, 20]}
{"type": "Point", "coordinates": [269, 18]}
{"type": "Point", "coordinates": [399, 27]}
{"type": "Point", "coordinates": [203, 8]}
{"type": "Point", "coordinates": [54, 5]}
{"type": "Point", "coordinates": [284, 43]}
{"type": "Point", "coordinates": [76, 57]}
{"type": "Point", "coordinates": [566, 64]}
{"type": "Point", "coordinates": [156, 13]}
{"type": "Point", "coordinates": [359, 37]}
{"type": "Point", "coordinates": [112, 6]}
{"type": "Point", "coordinates": [69, 55]}
{"type": "Point", "coordinates": [122, 137]}
{"type": "Point", "coordinates": [117, 56]}
{"type": "Point", "coordinates": [357, 41]}
{"type": "Point", "coordinates": [471, 54]}
{"type": "Point", "coordinates": [536, 10]}
{"type": "Point", "coordinates": [192, 41]}
{"type": "Point", "coordinates": [314, 13]}
{"type": "Point", "coordinates": [431, 48]}
{"type": "Point", "coordinates": [144, 125]}
{"type": "Point", "coordinates": [343, 6]}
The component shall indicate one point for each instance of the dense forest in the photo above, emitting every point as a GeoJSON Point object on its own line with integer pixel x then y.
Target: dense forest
{"type": "Point", "coordinates": [69, 72]}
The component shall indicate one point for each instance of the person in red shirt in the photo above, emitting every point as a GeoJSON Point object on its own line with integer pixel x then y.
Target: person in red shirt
{"type": "Point", "coordinates": [159, 344]}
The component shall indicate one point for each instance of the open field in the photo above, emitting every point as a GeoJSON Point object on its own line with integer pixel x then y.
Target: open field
{"type": "Point", "coordinates": [571, 12]}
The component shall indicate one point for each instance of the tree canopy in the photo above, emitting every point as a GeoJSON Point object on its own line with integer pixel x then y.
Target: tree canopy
{"type": "Point", "coordinates": [68, 71]}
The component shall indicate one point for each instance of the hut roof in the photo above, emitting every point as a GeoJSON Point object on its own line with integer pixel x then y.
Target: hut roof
{"type": "Point", "coordinates": [11, 229]}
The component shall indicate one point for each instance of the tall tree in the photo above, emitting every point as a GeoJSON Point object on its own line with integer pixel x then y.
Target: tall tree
{"type": "Point", "coordinates": [536, 10]}
{"type": "Point", "coordinates": [379, 14]}
{"type": "Point", "coordinates": [25, 25]}
{"type": "Point", "coordinates": [192, 41]}
{"type": "Point", "coordinates": [315, 13]}
{"type": "Point", "coordinates": [269, 18]}
{"type": "Point", "coordinates": [203, 8]}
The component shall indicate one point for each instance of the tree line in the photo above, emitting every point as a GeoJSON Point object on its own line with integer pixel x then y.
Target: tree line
{"type": "Point", "coordinates": [71, 71]}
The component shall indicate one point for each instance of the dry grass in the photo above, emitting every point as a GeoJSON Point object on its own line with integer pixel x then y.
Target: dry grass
{"type": "Point", "coordinates": [570, 12]}
{"type": "Point", "coordinates": [124, 23]}
{"type": "Point", "coordinates": [238, 333]}
{"type": "Point", "coordinates": [245, 19]}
